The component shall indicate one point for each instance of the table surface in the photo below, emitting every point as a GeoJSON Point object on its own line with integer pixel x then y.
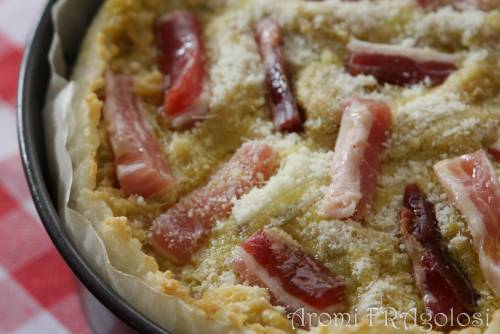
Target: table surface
{"type": "Point", "coordinates": [38, 293]}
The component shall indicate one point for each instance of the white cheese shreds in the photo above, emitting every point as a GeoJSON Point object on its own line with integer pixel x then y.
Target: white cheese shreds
{"type": "Point", "coordinates": [296, 171]}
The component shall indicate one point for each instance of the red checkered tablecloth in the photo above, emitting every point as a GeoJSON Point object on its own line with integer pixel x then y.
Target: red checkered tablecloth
{"type": "Point", "coordinates": [38, 293]}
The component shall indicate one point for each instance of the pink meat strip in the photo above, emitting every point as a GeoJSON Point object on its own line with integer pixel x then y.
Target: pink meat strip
{"type": "Point", "coordinates": [363, 130]}
{"type": "Point", "coordinates": [182, 59]}
{"type": "Point", "coordinates": [285, 113]}
{"type": "Point", "coordinates": [447, 294]}
{"type": "Point", "coordinates": [472, 186]}
{"type": "Point", "coordinates": [182, 229]}
{"type": "Point", "coordinates": [399, 65]}
{"type": "Point", "coordinates": [294, 278]}
{"type": "Point", "coordinates": [141, 167]}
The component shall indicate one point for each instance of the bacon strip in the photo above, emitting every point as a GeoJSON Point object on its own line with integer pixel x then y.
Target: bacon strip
{"type": "Point", "coordinates": [141, 168]}
{"type": "Point", "coordinates": [495, 149]}
{"type": "Point", "coordinates": [356, 160]}
{"type": "Point", "coordinates": [431, 3]}
{"type": "Point", "coordinates": [445, 289]}
{"type": "Point", "coordinates": [182, 59]}
{"type": "Point", "coordinates": [295, 279]}
{"type": "Point", "coordinates": [471, 184]}
{"type": "Point", "coordinates": [399, 65]}
{"type": "Point", "coordinates": [286, 116]}
{"type": "Point", "coordinates": [460, 4]}
{"type": "Point", "coordinates": [182, 229]}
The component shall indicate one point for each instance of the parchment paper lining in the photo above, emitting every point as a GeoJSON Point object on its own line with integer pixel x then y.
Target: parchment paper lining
{"type": "Point", "coordinates": [60, 119]}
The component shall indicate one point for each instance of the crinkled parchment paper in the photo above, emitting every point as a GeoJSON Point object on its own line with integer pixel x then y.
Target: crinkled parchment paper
{"type": "Point", "coordinates": [168, 311]}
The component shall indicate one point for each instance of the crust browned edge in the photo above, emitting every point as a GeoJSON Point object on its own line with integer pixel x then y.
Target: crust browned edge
{"type": "Point", "coordinates": [89, 70]}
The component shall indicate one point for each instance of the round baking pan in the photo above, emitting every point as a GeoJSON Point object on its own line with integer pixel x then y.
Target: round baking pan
{"type": "Point", "coordinates": [33, 83]}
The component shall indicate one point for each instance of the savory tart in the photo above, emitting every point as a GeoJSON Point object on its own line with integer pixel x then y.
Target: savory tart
{"type": "Point", "coordinates": [286, 166]}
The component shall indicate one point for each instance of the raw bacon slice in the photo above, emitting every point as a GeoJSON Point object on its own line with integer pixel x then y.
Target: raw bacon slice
{"type": "Point", "coordinates": [141, 168]}
{"type": "Point", "coordinates": [182, 229]}
{"type": "Point", "coordinates": [471, 184]}
{"type": "Point", "coordinates": [285, 113]}
{"type": "Point", "coordinates": [364, 128]}
{"type": "Point", "coordinates": [461, 4]}
{"type": "Point", "coordinates": [294, 278]}
{"type": "Point", "coordinates": [182, 59]}
{"type": "Point", "coordinates": [432, 4]}
{"type": "Point", "coordinates": [495, 149]}
{"type": "Point", "coordinates": [445, 289]}
{"type": "Point", "coordinates": [399, 65]}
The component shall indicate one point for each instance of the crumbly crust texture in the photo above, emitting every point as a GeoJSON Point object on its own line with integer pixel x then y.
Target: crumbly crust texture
{"type": "Point", "coordinates": [457, 117]}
